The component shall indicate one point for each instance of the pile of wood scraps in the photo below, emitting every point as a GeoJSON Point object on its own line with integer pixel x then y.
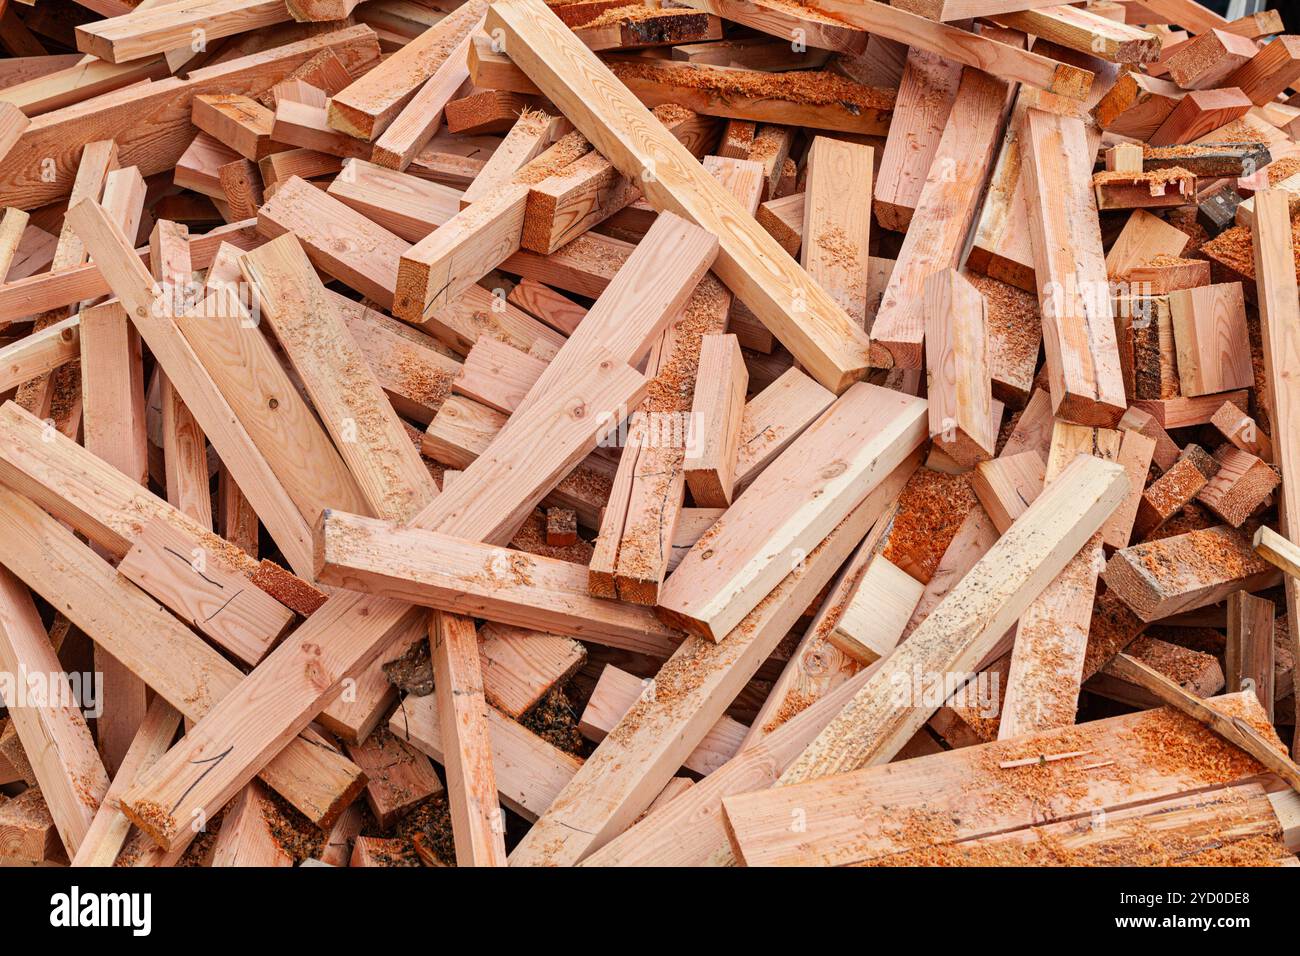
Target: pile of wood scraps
{"type": "Point", "coordinates": [597, 432]}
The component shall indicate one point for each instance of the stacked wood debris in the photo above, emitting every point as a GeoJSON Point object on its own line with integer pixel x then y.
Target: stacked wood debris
{"type": "Point", "coordinates": [555, 432]}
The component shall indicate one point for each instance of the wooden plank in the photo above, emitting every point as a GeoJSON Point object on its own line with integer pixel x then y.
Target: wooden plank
{"type": "Point", "coordinates": [199, 167]}
{"type": "Point", "coordinates": [155, 646]}
{"type": "Point", "coordinates": [1242, 431]}
{"type": "Point", "coordinates": [1166, 496]}
{"type": "Point", "coordinates": [110, 827]}
{"type": "Point", "coordinates": [52, 729]}
{"type": "Point", "coordinates": [1199, 112]}
{"type": "Point", "coordinates": [715, 424]}
{"type": "Point", "coordinates": [876, 614]}
{"type": "Point", "coordinates": [832, 837]}
{"type": "Point", "coordinates": [1277, 550]}
{"type": "Point", "coordinates": [532, 133]}
{"type": "Point", "coordinates": [1144, 237]}
{"type": "Point", "coordinates": [467, 247]}
{"type": "Point", "coordinates": [91, 496]}
{"type": "Point", "coordinates": [142, 33]}
{"type": "Point", "coordinates": [234, 351]}
{"type": "Point", "coordinates": [462, 430]}
{"type": "Point", "coordinates": [633, 551]}
{"type": "Point", "coordinates": [775, 98]}
{"type": "Point", "coordinates": [447, 573]}
{"type": "Point", "coordinates": [925, 96]}
{"type": "Point", "coordinates": [837, 222]}
{"type": "Point", "coordinates": [140, 295]}
{"type": "Point", "coordinates": [1279, 309]}
{"type": "Point", "coordinates": [1231, 727]}
{"type": "Point", "coordinates": [367, 107]}
{"type": "Point", "coordinates": [522, 666]}
{"type": "Point", "coordinates": [40, 352]}
{"type": "Point", "coordinates": [401, 203]}
{"type": "Point", "coordinates": [412, 128]}
{"type": "Point", "coordinates": [617, 692]}
{"type": "Point", "coordinates": [590, 189]}
{"type": "Point", "coordinates": [973, 616]}
{"type": "Point", "coordinates": [185, 448]}
{"type": "Point", "coordinates": [246, 837]}
{"type": "Point", "coordinates": [1154, 189]}
{"type": "Point", "coordinates": [477, 821]}
{"type": "Point", "coordinates": [327, 228]}
{"type": "Point", "coordinates": [27, 830]}
{"type": "Point", "coordinates": [1183, 412]}
{"type": "Point", "coordinates": [1248, 657]}
{"type": "Point", "coordinates": [895, 23]}
{"type": "Point", "coordinates": [306, 126]}
{"type": "Point", "coordinates": [718, 583]}
{"type": "Point", "coordinates": [817, 668]}
{"type": "Point", "coordinates": [1078, 331]}
{"type": "Point", "coordinates": [1135, 454]}
{"type": "Point", "coordinates": [690, 831]}
{"type": "Point", "coordinates": [12, 126]}
{"type": "Point", "coordinates": [399, 776]}
{"type": "Point", "coordinates": [1047, 659]}
{"type": "Point", "coordinates": [1160, 578]}
{"type": "Point", "coordinates": [115, 430]}
{"type": "Point", "coordinates": [239, 122]}
{"type": "Point", "coordinates": [963, 422]}
{"type": "Point", "coordinates": [497, 375]}
{"type": "Point", "coordinates": [945, 211]}
{"type": "Point", "coordinates": [642, 298]}
{"type": "Point", "coordinates": [1137, 105]}
{"type": "Point", "coordinates": [412, 368]}
{"type": "Point", "coordinates": [822, 338]}
{"type": "Point", "coordinates": [1080, 29]}
{"type": "Point", "coordinates": [1206, 60]}
{"type": "Point", "coordinates": [97, 160]}
{"type": "Point", "coordinates": [223, 605]}
{"type": "Point", "coordinates": [344, 392]}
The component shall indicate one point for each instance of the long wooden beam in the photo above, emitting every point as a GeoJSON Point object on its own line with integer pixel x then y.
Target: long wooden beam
{"type": "Point", "coordinates": [445, 572]}
{"type": "Point", "coordinates": [1070, 270]}
{"type": "Point", "coordinates": [976, 790]}
{"type": "Point", "coordinates": [762, 275]}
{"type": "Point", "coordinates": [1279, 313]}
{"type": "Point", "coordinates": [163, 28]}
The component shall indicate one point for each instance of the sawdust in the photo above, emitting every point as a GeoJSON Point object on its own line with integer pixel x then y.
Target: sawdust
{"type": "Point", "coordinates": [815, 88]}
